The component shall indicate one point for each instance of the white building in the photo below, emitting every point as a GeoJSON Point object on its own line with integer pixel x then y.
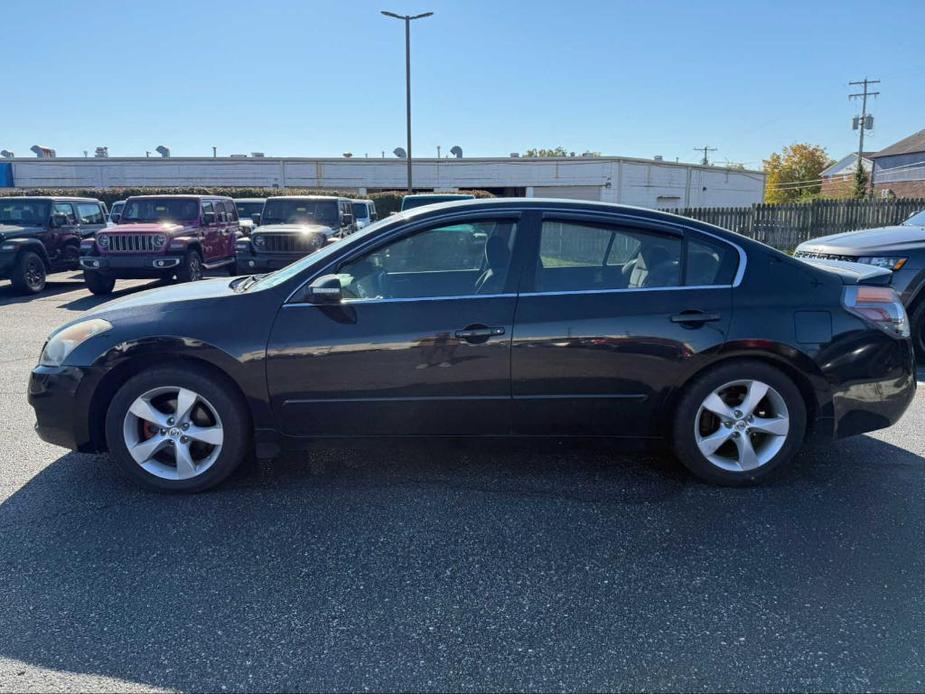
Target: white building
{"type": "Point", "coordinates": [643, 182]}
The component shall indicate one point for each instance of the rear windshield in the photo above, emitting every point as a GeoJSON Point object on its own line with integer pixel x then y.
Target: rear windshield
{"type": "Point", "coordinates": [300, 212]}
{"type": "Point", "coordinates": [25, 212]}
{"type": "Point", "coordinates": [159, 210]}
{"type": "Point", "coordinates": [411, 201]}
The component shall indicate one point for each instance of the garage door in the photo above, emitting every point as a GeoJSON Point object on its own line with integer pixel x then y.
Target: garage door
{"type": "Point", "coordinates": [571, 192]}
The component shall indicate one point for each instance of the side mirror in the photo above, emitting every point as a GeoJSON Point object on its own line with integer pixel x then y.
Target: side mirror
{"type": "Point", "coordinates": [324, 290]}
{"type": "Point", "coordinates": [59, 220]}
{"type": "Point", "coordinates": [256, 218]}
{"type": "Point", "coordinates": [208, 218]}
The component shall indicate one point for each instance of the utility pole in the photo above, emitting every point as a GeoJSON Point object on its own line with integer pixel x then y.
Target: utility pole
{"type": "Point", "coordinates": [408, 19]}
{"type": "Point", "coordinates": [862, 123]}
{"type": "Point", "coordinates": [706, 149]}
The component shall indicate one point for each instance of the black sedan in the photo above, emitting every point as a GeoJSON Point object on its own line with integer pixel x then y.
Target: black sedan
{"type": "Point", "coordinates": [488, 318]}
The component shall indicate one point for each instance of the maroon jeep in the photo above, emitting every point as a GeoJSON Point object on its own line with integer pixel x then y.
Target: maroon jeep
{"type": "Point", "coordinates": [162, 236]}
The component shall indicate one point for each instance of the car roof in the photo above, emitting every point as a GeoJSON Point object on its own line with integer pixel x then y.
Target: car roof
{"type": "Point", "coordinates": [181, 195]}
{"type": "Point", "coordinates": [51, 198]}
{"type": "Point", "coordinates": [249, 199]}
{"type": "Point", "coordinates": [360, 200]}
{"type": "Point", "coordinates": [307, 197]}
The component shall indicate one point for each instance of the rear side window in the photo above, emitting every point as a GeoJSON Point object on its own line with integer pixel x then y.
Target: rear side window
{"type": "Point", "coordinates": [577, 256]}
{"type": "Point", "coordinates": [231, 211]}
{"type": "Point", "coordinates": [66, 209]}
{"type": "Point", "coordinates": [90, 213]}
{"type": "Point", "coordinates": [710, 263]}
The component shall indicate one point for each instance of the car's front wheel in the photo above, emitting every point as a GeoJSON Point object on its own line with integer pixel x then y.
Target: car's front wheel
{"type": "Point", "coordinates": [178, 430]}
{"type": "Point", "coordinates": [98, 283]}
{"type": "Point", "coordinates": [28, 276]}
{"type": "Point", "coordinates": [191, 268]}
{"type": "Point", "coordinates": [739, 423]}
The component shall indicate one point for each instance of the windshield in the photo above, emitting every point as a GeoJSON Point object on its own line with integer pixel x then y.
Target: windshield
{"type": "Point", "coordinates": [916, 220]}
{"type": "Point", "coordinates": [248, 209]}
{"type": "Point", "coordinates": [25, 212]}
{"type": "Point", "coordinates": [117, 207]}
{"type": "Point", "coordinates": [411, 201]}
{"type": "Point", "coordinates": [160, 210]}
{"type": "Point", "coordinates": [300, 212]}
{"type": "Point", "coordinates": [276, 278]}
{"type": "Point", "coordinates": [360, 210]}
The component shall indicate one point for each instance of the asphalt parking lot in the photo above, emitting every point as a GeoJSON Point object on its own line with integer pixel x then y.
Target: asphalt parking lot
{"type": "Point", "coordinates": [453, 566]}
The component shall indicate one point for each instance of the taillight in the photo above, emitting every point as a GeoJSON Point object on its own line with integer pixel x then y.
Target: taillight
{"type": "Point", "coordinates": [880, 306]}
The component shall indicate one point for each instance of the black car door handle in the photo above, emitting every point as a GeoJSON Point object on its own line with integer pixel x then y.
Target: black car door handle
{"type": "Point", "coordinates": [473, 332]}
{"type": "Point", "coordinates": [694, 317]}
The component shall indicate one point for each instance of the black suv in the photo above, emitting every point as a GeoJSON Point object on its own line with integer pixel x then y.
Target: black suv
{"type": "Point", "coordinates": [42, 234]}
{"type": "Point", "coordinates": [899, 249]}
{"type": "Point", "coordinates": [292, 227]}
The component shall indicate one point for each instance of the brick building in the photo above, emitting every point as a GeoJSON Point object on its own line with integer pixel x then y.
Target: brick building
{"type": "Point", "coordinates": [838, 179]}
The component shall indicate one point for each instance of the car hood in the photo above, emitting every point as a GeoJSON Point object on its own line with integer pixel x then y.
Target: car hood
{"type": "Point", "coordinates": [7, 230]}
{"type": "Point", "coordinates": [293, 229]}
{"type": "Point", "coordinates": [147, 228]}
{"type": "Point", "coordinates": [160, 299]}
{"type": "Point", "coordinates": [869, 241]}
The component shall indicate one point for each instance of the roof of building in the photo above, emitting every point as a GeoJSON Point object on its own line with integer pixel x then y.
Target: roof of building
{"type": "Point", "coordinates": [910, 145]}
{"type": "Point", "coordinates": [847, 164]}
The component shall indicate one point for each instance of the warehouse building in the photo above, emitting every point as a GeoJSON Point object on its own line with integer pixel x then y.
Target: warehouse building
{"type": "Point", "coordinates": [643, 182]}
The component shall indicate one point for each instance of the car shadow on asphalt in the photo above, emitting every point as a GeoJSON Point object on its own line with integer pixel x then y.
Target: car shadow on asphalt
{"type": "Point", "coordinates": [478, 564]}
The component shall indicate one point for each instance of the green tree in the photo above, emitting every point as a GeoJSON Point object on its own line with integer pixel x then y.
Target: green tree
{"type": "Point", "coordinates": [861, 183]}
{"type": "Point", "coordinates": [557, 152]}
{"type": "Point", "coordinates": [795, 174]}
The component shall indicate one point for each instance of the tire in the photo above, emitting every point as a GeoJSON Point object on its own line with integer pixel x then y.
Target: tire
{"type": "Point", "coordinates": [774, 433]}
{"type": "Point", "coordinates": [917, 327]}
{"type": "Point", "coordinates": [29, 273]}
{"type": "Point", "coordinates": [190, 269]}
{"type": "Point", "coordinates": [99, 283]}
{"type": "Point", "coordinates": [218, 413]}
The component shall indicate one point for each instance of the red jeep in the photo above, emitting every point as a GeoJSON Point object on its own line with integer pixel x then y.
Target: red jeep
{"type": "Point", "coordinates": [162, 236]}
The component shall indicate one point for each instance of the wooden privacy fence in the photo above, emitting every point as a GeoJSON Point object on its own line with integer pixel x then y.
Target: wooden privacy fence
{"type": "Point", "coordinates": [786, 226]}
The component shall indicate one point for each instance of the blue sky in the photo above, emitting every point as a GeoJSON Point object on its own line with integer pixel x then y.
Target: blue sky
{"type": "Point", "coordinates": [322, 77]}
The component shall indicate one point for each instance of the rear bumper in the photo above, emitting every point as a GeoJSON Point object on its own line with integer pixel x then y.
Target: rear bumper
{"type": "Point", "coordinates": [131, 266]}
{"type": "Point", "coordinates": [876, 390]}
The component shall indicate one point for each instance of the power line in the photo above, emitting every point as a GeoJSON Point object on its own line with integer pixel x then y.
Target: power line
{"type": "Point", "coordinates": [705, 149]}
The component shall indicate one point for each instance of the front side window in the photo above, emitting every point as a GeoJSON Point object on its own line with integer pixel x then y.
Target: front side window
{"type": "Point", "coordinates": [24, 212]}
{"type": "Point", "coordinates": [577, 256]}
{"type": "Point", "coordinates": [65, 209]}
{"type": "Point", "coordinates": [90, 213]}
{"type": "Point", "coordinates": [451, 260]}
{"type": "Point", "coordinates": [159, 210]}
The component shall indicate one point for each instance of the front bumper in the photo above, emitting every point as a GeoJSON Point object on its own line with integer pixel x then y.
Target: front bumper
{"type": "Point", "coordinates": [61, 398]}
{"type": "Point", "coordinates": [255, 263]}
{"type": "Point", "coordinates": [131, 266]}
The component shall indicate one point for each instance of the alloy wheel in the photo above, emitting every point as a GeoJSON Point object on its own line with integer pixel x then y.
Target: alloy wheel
{"type": "Point", "coordinates": [173, 433]}
{"type": "Point", "coordinates": [195, 268]}
{"type": "Point", "coordinates": [33, 274]}
{"type": "Point", "coordinates": [742, 425]}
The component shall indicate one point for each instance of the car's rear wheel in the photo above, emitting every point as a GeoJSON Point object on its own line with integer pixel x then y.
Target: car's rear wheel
{"type": "Point", "coordinates": [28, 276]}
{"type": "Point", "coordinates": [191, 268]}
{"type": "Point", "coordinates": [98, 283]}
{"type": "Point", "coordinates": [173, 429]}
{"type": "Point", "coordinates": [739, 423]}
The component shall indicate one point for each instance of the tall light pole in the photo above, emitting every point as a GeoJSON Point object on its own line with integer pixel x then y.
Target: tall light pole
{"type": "Point", "coordinates": [407, 19]}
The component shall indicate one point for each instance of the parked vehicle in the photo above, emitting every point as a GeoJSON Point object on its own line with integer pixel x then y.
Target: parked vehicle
{"type": "Point", "coordinates": [489, 318]}
{"type": "Point", "coordinates": [115, 212]}
{"type": "Point", "coordinates": [291, 227]}
{"type": "Point", "coordinates": [249, 210]}
{"type": "Point", "coordinates": [364, 213]}
{"type": "Point", "coordinates": [409, 202]}
{"type": "Point", "coordinates": [899, 249]}
{"type": "Point", "coordinates": [39, 235]}
{"type": "Point", "coordinates": [162, 236]}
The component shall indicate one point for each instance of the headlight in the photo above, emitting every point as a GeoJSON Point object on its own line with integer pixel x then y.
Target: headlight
{"type": "Point", "coordinates": [65, 341]}
{"type": "Point", "coordinates": [159, 240]}
{"type": "Point", "coordinates": [259, 241]}
{"type": "Point", "coordinates": [889, 262]}
{"type": "Point", "coordinates": [103, 240]}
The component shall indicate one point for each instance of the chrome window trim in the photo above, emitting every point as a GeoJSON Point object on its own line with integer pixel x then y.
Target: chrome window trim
{"type": "Point", "coordinates": [347, 302]}
{"type": "Point", "coordinates": [519, 211]}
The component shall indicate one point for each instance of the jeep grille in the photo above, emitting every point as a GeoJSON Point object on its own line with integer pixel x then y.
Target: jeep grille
{"type": "Point", "coordinates": [132, 243]}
